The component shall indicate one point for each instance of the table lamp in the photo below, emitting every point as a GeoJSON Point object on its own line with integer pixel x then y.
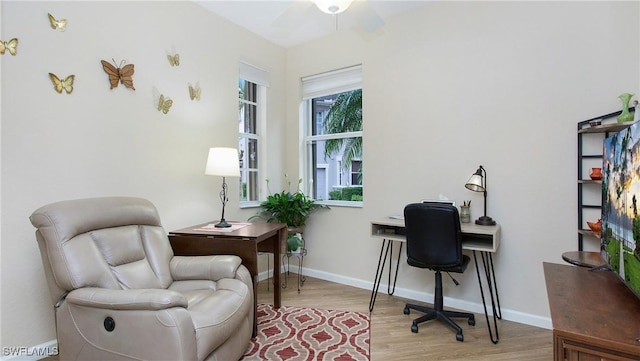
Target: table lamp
{"type": "Point", "coordinates": [478, 183]}
{"type": "Point", "coordinates": [223, 162]}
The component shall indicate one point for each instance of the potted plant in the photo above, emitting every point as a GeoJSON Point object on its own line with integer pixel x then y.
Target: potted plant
{"type": "Point", "coordinates": [292, 209]}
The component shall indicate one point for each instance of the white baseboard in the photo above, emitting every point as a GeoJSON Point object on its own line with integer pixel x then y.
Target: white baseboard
{"type": "Point", "coordinates": [510, 315]}
{"type": "Point", "coordinates": [29, 353]}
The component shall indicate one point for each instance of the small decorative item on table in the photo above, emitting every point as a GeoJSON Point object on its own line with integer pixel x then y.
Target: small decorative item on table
{"type": "Point", "coordinates": [625, 116]}
{"type": "Point", "coordinates": [596, 173]}
{"type": "Point", "coordinates": [595, 227]}
{"type": "Point", "coordinates": [465, 212]}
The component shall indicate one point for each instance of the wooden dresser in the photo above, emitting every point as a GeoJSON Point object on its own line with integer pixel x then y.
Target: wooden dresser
{"type": "Point", "coordinates": [595, 315]}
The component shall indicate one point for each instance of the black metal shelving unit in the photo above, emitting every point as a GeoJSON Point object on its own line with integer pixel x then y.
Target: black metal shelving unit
{"type": "Point", "coordinates": [608, 126]}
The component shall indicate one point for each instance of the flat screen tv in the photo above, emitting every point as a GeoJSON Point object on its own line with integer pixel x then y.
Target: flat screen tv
{"type": "Point", "coordinates": [620, 234]}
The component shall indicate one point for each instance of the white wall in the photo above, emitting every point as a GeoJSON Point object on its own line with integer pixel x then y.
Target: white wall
{"type": "Point", "coordinates": [446, 88]}
{"type": "Point", "coordinates": [455, 85]}
{"type": "Point", "coordinates": [99, 142]}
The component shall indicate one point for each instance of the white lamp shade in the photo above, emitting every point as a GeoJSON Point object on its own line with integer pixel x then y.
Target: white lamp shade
{"type": "Point", "coordinates": [223, 162]}
{"type": "Point", "coordinates": [333, 6]}
{"type": "Point", "coordinates": [475, 183]}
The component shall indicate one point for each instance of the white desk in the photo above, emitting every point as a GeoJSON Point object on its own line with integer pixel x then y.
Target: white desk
{"type": "Point", "coordinates": [483, 239]}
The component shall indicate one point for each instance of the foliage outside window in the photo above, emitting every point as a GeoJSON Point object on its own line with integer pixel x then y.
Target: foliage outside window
{"type": "Point", "coordinates": [334, 148]}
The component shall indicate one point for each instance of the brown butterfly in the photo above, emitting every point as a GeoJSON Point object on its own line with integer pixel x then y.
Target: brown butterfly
{"type": "Point", "coordinates": [120, 74]}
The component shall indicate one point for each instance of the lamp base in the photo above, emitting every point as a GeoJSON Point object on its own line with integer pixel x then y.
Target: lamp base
{"type": "Point", "coordinates": [224, 224]}
{"type": "Point", "coordinates": [485, 221]}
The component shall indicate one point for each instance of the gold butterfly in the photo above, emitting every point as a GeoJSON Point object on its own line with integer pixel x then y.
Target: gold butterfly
{"type": "Point", "coordinates": [174, 60]}
{"type": "Point", "coordinates": [11, 45]}
{"type": "Point", "coordinates": [122, 74]}
{"type": "Point", "coordinates": [164, 104]}
{"type": "Point", "coordinates": [59, 85]}
{"type": "Point", "coordinates": [194, 93]}
{"type": "Point", "coordinates": [57, 24]}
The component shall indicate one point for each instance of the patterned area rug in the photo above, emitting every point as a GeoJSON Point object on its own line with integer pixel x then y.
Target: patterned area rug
{"type": "Point", "coordinates": [294, 333]}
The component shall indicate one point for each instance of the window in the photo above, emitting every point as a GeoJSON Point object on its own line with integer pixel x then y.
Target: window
{"type": "Point", "coordinates": [332, 143]}
{"type": "Point", "coordinates": [252, 84]}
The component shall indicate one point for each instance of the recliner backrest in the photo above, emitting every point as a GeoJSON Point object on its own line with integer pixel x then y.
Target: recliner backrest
{"type": "Point", "coordinates": [434, 238]}
{"type": "Point", "coordinates": [111, 242]}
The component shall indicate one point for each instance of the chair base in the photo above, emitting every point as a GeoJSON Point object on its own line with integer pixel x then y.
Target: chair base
{"type": "Point", "coordinates": [438, 312]}
{"type": "Point", "coordinates": [442, 315]}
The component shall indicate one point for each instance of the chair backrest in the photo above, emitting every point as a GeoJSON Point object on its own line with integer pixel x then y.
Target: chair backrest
{"type": "Point", "coordinates": [114, 242]}
{"type": "Point", "coordinates": [434, 238]}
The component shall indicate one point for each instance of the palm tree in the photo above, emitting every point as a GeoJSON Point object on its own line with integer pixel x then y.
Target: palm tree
{"type": "Point", "coordinates": [345, 115]}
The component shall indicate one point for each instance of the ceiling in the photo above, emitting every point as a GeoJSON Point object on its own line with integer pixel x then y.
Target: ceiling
{"type": "Point", "coordinates": [292, 22]}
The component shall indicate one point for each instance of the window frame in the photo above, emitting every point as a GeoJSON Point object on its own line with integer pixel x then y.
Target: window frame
{"type": "Point", "coordinates": [260, 78]}
{"type": "Point", "coordinates": [308, 119]}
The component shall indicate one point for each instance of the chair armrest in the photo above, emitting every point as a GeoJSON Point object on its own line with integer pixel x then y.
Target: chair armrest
{"type": "Point", "coordinates": [138, 299]}
{"type": "Point", "coordinates": [204, 267]}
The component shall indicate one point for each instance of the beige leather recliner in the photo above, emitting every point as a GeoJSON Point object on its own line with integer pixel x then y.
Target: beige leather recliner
{"type": "Point", "coordinates": [121, 294]}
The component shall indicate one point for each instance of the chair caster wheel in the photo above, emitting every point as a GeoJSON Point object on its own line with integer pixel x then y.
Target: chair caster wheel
{"type": "Point", "coordinates": [406, 310]}
{"type": "Point", "coordinates": [414, 328]}
{"type": "Point", "coordinates": [459, 337]}
{"type": "Point", "coordinates": [472, 322]}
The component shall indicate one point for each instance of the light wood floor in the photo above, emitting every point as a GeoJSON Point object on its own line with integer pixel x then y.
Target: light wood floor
{"type": "Point", "coordinates": [391, 336]}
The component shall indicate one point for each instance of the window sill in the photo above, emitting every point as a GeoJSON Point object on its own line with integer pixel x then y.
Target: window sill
{"type": "Point", "coordinates": [334, 203]}
{"type": "Point", "coordinates": [331, 203]}
{"type": "Point", "coordinates": [252, 204]}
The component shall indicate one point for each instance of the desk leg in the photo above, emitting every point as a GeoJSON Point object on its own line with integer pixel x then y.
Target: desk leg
{"type": "Point", "coordinates": [390, 290]}
{"type": "Point", "coordinates": [491, 279]}
{"type": "Point", "coordinates": [487, 264]}
{"type": "Point", "coordinates": [382, 260]}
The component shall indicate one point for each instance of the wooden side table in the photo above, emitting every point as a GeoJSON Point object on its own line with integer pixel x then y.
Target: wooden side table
{"type": "Point", "coordinates": [244, 242]}
{"type": "Point", "coordinates": [583, 259]}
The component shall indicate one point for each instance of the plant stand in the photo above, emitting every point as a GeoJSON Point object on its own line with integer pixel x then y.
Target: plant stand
{"type": "Point", "coordinates": [268, 254]}
{"type": "Point", "coordinates": [299, 254]}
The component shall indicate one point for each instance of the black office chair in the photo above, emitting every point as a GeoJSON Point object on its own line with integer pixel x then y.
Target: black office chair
{"type": "Point", "coordinates": [434, 241]}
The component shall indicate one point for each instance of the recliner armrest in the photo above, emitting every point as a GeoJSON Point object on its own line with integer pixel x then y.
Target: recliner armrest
{"type": "Point", "coordinates": [204, 267]}
{"type": "Point", "coordinates": [137, 299]}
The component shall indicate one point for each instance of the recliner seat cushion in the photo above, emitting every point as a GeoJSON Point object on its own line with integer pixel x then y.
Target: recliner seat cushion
{"type": "Point", "coordinates": [231, 300]}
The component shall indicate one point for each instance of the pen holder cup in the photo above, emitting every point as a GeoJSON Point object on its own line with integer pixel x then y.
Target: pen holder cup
{"type": "Point", "coordinates": [465, 214]}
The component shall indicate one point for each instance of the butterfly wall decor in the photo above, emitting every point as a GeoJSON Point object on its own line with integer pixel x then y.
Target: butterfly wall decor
{"type": "Point", "coordinates": [60, 84]}
{"type": "Point", "coordinates": [11, 46]}
{"type": "Point", "coordinates": [174, 60]}
{"type": "Point", "coordinates": [164, 104]}
{"type": "Point", "coordinates": [194, 93]}
{"type": "Point", "coordinates": [57, 24]}
{"type": "Point", "coordinates": [122, 74]}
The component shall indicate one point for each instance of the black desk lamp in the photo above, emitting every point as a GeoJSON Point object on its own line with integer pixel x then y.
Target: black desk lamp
{"type": "Point", "coordinates": [223, 162]}
{"type": "Point", "coordinates": [478, 183]}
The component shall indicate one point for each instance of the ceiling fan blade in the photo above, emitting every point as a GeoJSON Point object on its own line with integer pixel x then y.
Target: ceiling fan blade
{"type": "Point", "coordinates": [294, 17]}
{"type": "Point", "coordinates": [366, 16]}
